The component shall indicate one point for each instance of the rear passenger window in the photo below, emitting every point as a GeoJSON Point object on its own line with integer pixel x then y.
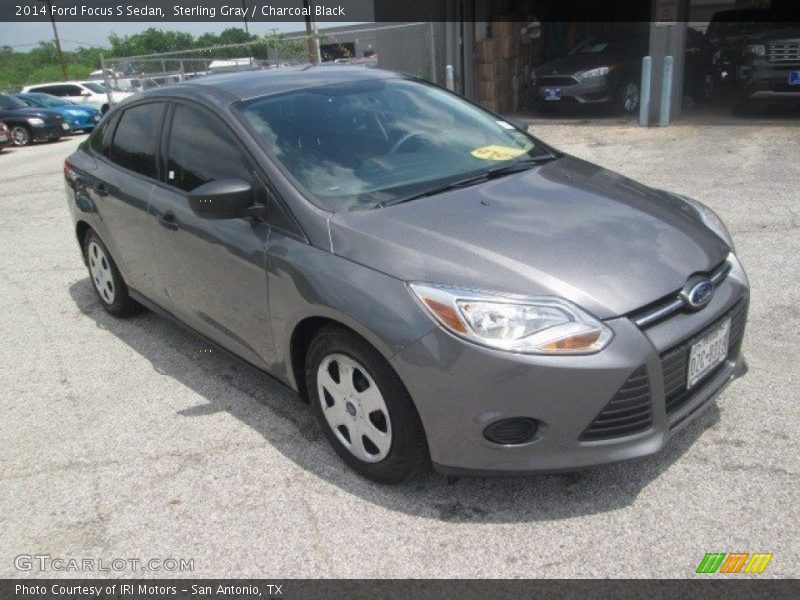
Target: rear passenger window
{"type": "Point", "coordinates": [136, 139]}
{"type": "Point", "coordinates": [101, 138]}
{"type": "Point", "coordinates": [202, 150]}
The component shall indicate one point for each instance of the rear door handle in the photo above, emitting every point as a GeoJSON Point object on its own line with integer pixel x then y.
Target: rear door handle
{"type": "Point", "coordinates": [168, 220]}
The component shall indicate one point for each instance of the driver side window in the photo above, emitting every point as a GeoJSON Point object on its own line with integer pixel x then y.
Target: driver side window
{"type": "Point", "coordinates": [201, 150]}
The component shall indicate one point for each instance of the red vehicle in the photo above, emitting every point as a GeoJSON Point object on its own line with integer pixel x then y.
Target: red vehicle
{"type": "Point", "coordinates": [5, 136]}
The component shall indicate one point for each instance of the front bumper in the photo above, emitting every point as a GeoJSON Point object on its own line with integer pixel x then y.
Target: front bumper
{"type": "Point", "coordinates": [50, 131]}
{"type": "Point", "coordinates": [765, 82]}
{"type": "Point", "coordinates": [459, 388]}
{"type": "Point", "coordinates": [597, 90]}
{"type": "Point", "coordinates": [83, 123]}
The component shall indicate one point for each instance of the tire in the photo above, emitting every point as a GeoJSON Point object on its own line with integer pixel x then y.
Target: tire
{"type": "Point", "coordinates": [371, 402]}
{"type": "Point", "coordinates": [628, 98]}
{"type": "Point", "coordinates": [704, 90]}
{"type": "Point", "coordinates": [21, 135]}
{"type": "Point", "coordinates": [106, 279]}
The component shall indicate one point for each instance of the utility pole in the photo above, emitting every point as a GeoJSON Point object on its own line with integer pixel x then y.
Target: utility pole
{"type": "Point", "coordinates": [58, 42]}
{"type": "Point", "coordinates": [313, 49]}
{"type": "Point", "coordinates": [246, 28]}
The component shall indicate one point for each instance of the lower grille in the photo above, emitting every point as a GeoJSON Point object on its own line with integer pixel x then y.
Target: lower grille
{"type": "Point", "coordinates": [674, 362]}
{"type": "Point", "coordinates": [628, 412]}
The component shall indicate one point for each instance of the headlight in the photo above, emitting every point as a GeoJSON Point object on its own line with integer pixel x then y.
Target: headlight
{"type": "Point", "coordinates": [598, 72]}
{"type": "Point", "coordinates": [36, 121]}
{"type": "Point", "coordinates": [542, 325]}
{"type": "Point", "coordinates": [755, 50]}
{"type": "Point", "coordinates": [711, 220]}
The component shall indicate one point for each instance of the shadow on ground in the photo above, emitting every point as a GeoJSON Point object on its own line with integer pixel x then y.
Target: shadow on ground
{"type": "Point", "coordinates": [288, 424]}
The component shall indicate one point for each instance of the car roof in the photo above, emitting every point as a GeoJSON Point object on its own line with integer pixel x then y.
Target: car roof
{"type": "Point", "coordinates": [244, 85]}
{"type": "Point", "coordinates": [49, 83]}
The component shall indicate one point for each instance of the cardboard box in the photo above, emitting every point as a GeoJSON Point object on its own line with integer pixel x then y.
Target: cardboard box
{"type": "Point", "coordinates": [492, 71]}
{"type": "Point", "coordinates": [487, 51]}
{"type": "Point", "coordinates": [508, 46]}
{"type": "Point", "coordinates": [505, 27]}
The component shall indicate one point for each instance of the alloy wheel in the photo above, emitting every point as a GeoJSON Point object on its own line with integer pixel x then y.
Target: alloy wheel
{"type": "Point", "coordinates": [100, 269]}
{"type": "Point", "coordinates": [20, 136]}
{"type": "Point", "coordinates": [354, 407]}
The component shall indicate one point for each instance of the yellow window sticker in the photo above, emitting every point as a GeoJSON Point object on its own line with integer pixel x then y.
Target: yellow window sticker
{"type": "Point", "coordinates": [497, 152]}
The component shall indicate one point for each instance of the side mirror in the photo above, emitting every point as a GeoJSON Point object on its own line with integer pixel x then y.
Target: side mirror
{"type": "Point", "coordinates": [221, 199]}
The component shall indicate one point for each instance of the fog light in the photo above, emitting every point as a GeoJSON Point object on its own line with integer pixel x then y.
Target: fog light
{"type": "Point", "coordinates": [511, 432]}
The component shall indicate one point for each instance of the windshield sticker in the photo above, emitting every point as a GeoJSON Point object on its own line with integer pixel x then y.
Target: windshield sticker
{"type": "Point", "coordinates": [497, 152]}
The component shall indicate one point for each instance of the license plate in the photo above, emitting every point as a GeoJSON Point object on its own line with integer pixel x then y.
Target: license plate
{"type": "Point", "coordinates": [794, 77]}
{"type": "Point", "coordinates": [65, 126]}
{"type": "Point", "coordinates": [707, 353]}
{"type": "Point", "coordinates": [552, 93]}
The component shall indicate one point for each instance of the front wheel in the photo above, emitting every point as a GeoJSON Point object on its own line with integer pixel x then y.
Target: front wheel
{"type": "Point", "coordinates": [21, 135]}
{"type": "Point", "coordinates": [705, 89]}
{"type": "Point", "coordinates": [364, 409]}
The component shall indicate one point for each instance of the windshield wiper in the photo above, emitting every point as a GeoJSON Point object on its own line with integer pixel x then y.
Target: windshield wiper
{"type": "Point", "coordinates": [501, 171]}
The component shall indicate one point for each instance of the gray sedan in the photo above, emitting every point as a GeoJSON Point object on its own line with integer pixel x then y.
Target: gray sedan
{"type": "Point", "coordinates": [438, 284]}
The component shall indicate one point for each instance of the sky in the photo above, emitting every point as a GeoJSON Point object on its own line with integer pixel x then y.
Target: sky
{"type": "Point", "coordinates": [23, 36]}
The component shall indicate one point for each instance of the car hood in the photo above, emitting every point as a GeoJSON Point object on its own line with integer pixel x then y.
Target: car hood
{"type": "Point", "coordinates": [567, 228]}
{"type": "Point", "coordinates": [569, 65]}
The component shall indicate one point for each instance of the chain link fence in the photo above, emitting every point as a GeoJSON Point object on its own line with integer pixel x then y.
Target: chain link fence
{"type": "Point", "coordinates": [406, 47]}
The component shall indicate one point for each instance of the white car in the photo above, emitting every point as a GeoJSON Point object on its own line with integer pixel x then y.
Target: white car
{"type": "Point", "coordinates": [92, 93]}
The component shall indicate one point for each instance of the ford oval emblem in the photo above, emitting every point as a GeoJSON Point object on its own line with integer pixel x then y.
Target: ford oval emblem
{"type": "Point", "coordinates": [698, 292]}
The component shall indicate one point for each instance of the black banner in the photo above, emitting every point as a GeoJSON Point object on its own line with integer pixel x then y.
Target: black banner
{"type": "Point", "coordinates": [386, 11]}
{"type": "Point", "coordinates": [704, 587]}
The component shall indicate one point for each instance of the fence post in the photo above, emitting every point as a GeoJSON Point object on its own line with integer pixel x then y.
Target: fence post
{"type": "Point", "coordinates": [644, 100]}
{"type": "Point", "coordinates": [450, 78]}
{"type": "Point", "coordinates": [432, 52]}
{"type": "Point", "coordinates": [106, 82]}
{"type": "Point", "coordinates": [666, 92]}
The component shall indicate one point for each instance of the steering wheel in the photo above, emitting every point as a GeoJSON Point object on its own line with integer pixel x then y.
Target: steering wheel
{"type": "Point", "coordinates": [406, 138]}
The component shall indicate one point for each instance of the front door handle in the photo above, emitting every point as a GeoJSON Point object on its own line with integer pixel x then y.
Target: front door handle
{"type": "Point", "coordinates": [101, 190]}
{"type": "Point", "coordinates": [168, 220]}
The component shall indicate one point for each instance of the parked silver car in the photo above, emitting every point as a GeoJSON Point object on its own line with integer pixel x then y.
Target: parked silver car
{"type": "Point", "coordinates": [439, 285]}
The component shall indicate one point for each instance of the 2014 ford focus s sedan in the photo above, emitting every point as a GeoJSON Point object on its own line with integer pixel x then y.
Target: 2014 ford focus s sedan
{"type": "Point", "coordinates": [440, 285]}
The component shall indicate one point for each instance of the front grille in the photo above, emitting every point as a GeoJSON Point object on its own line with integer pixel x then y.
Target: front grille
{"type": "Point", "coordinates": [628, 412]}
{"type": "Point", "coordinates": [560, 81]}
{"type": "Point", "coordinates": [674, 362]}
{"type": "Point", "coordinates": [784, 52]}
{"type": "Point", "coordinates": [666, 307]}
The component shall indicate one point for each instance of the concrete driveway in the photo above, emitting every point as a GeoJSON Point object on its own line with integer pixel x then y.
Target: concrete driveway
{"type": "Point", "coordinates": [128, 439]}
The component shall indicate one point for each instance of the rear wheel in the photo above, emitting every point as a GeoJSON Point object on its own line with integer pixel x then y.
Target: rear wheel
{"type": "Point", "coordinates": [363, 408]}
{"type": "Point", "coordinates": [21, 135]}
{"type": "Point", "coordinates": [106, 278]}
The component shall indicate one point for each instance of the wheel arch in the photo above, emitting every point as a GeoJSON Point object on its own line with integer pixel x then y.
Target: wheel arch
{"type": "Point", "coordinates": [82, 228]}
{"type": "Point", "coordinates": [300, 340]}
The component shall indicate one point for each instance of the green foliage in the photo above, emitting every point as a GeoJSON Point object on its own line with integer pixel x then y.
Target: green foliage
{"type": "Point", "coordinates": [41, 63]}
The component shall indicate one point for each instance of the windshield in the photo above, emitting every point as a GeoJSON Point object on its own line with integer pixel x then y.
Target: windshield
{"type": "Point", "coordinates": [368, 143]}
{"type": "Point", "coordinates": [97, 88]}
{"type": "Point", "coordinates": [11, 103]}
